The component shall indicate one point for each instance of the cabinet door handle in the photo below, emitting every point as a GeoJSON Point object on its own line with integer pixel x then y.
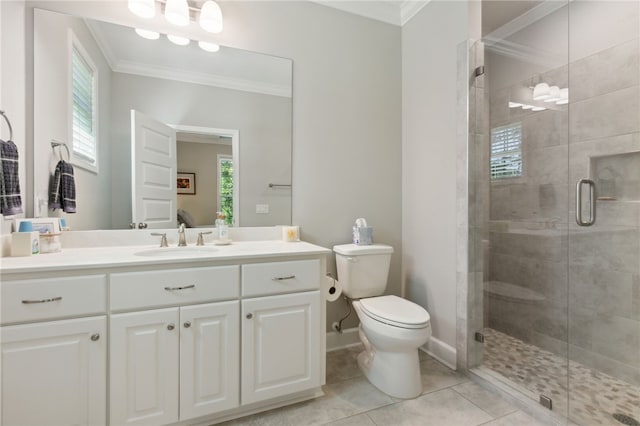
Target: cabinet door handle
{"type": "Point", "coordinates": [187, 324]}
{"type": "Point", "coordinates": [171, 327]}
{"type": "Point", "coordinates": [180, 287]}
{"type": "Point", "coordinates": [95, 337]}
{"type": "Point", "coordinates": [290, 277]}
{"type": "Point", "coordinates": [53, 299]}
{"type": "Point", "coordinates": [249, 316]}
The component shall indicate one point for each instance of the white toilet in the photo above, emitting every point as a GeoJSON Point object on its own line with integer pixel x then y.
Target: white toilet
{"type": "Point", "coordinates": [391, 328]}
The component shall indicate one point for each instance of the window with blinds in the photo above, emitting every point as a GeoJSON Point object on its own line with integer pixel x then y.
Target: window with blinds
{"type": "Point", "coordinates": [506, 151]}
{"type": "Point", "coordinates": [83, 108]}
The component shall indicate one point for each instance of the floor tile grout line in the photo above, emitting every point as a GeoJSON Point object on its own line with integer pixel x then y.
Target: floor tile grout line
{"type": "Point", "coordinates": [515, 409]}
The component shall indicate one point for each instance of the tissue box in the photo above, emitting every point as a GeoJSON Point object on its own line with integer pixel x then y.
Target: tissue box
{"type": "Point", "coordinates": [363, 235]}
{"type": "Point", "coordinates": [25, 243]}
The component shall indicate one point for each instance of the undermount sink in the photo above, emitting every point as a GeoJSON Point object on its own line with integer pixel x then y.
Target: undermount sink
{"type": "Point", "coordinates": [178, 251]}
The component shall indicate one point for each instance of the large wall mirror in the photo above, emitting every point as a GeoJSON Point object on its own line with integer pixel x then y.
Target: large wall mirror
{"type": "Point", "coordinates": [229, 113]}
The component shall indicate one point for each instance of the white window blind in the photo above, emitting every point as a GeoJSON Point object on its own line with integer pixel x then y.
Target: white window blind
{"type": "Point", "coordinates": [83, 95]}
{"type": "Point", "coordinates": [506, 151]}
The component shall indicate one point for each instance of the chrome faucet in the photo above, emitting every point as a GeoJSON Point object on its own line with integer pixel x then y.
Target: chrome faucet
{"type": "Point", "coordinates": [182, 241]}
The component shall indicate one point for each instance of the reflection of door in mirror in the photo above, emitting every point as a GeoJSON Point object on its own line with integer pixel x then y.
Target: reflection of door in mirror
{"type": "Point", "coordinates": [153, 172]}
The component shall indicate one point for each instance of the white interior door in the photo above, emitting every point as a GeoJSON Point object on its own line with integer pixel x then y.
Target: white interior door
{"type": "Point", "coordinates": [153, 174]}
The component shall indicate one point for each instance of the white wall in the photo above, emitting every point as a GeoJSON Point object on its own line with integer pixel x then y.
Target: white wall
{"type": "Point", "coordinates": [346, 110]}
{"type": "Point", "coordinates": [429, 65]}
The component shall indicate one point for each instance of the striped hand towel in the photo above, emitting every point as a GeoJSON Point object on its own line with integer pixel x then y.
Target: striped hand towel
{"type": "Point", "coordinates": [10, 201]}
{"type": "Point", "coordinates": [62, 188]}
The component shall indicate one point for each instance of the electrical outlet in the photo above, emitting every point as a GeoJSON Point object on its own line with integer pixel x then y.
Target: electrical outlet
{"type": "Point", "coordinates": [262, 208]}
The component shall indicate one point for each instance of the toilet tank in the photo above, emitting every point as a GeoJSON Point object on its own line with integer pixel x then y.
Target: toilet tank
{"type": "Point", "coordinates": [363, 270]}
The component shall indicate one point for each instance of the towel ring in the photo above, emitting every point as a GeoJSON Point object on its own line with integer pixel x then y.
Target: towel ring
{"type": "Point", "coordinates": [8, 124]}
{"type": "Point", "coordinates": [55, 143]}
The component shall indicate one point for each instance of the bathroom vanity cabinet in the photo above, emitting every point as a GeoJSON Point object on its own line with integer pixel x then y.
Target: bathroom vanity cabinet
{"type": "Point", "coordinates": [196, 341]}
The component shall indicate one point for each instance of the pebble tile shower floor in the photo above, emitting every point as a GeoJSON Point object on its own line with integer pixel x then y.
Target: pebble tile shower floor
{"type": "Point", "coordinates": [594, 397]}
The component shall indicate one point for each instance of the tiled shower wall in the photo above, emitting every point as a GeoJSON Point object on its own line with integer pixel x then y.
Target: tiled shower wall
{"type": "Point", "coordinates": [589, 277]}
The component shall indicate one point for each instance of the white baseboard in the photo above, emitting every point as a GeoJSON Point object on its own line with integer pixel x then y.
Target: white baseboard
{"type": "Point", "coordinates": [441, 351]}
{"type": "Point", "coordinates": [348, 337]}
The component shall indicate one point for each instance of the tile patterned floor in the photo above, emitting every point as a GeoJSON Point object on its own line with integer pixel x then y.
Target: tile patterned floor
{"type": "Point", "coordinates": [449, 399]}
{"type": "Point", "coordinates": [594, 396]}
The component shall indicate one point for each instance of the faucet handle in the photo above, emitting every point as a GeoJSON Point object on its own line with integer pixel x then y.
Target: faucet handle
{"type": "Point", "coordinates": [201, 239]}
{"type": "Point", "coordinates": [163, 240]}
{"type": "Point", "coordinates": [181, 227]}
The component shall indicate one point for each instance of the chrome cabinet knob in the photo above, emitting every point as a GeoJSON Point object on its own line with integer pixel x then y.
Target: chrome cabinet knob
{"type": "Point", "coordinates": [95, 337]}
{"type": "Point", "coordinates": [171, 327]}
{"type": "Point", "coordinates": [187, 324]}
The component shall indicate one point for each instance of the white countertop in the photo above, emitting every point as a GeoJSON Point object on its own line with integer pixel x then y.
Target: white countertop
{"type": "Point", "coordinates": [122, 256]}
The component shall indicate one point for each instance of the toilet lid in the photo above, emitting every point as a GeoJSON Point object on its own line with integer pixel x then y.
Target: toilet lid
{"type": "Point", "coordinates": [395, 311]}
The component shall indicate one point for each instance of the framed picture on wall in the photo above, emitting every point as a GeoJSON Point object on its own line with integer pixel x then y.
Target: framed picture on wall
{"type": "Point", "coordinates": [186, 183]}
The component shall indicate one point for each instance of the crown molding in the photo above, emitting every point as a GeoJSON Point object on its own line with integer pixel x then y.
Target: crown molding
{"type": "Point", "coordinates": [395, 12]}
{"type": "Point", "coordinates": [207, 79]}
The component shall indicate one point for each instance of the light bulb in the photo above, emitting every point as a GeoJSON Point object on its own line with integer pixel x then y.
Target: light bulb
{"type": "Point", "coordinates": [149, 35]}
{"type": "Point", "coordinates": [538, 108]}
{"type": "Point", "coordinates": [180, 41]}
{"type": "Point", "coordinates": [211, 17]}
{"type": "Point", "coordinates": [209, 47]}
{"type": "Point", "coordinates": [554, 94]}
{"type": "Point", "coordinates": [142, 8]}
{"type": "Point", "coordinates": [541, 92]}
{"type": "Point", "coordinates": [525, 106]}
{"type": "Point", "coordinates": [514, 104]}
{"type": "Point", "coordinates": [564, 96]}
{"type": "Point", "coordinates": [177, 12]}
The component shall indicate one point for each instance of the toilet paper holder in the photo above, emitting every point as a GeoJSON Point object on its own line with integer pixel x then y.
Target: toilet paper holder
{"type": "Point", "coordinates": [332, 290]}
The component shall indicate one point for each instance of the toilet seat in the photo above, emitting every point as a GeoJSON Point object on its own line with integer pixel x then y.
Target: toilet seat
{"type": "Point", "coordinates": [395, 311]}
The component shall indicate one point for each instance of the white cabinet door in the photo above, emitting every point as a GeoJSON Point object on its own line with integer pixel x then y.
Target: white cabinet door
{"type": "Point", "coordinates": [144, 367]}
{"type": "Point", "coordinates": [54, 373]}
{"type": "Point", "coordinates": [209, 359]}
{"type": "Point", "coordinates": [280, 345]}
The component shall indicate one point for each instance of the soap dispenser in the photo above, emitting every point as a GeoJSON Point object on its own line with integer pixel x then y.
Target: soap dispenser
{"type": "Point", "coordinates": [222, 228]}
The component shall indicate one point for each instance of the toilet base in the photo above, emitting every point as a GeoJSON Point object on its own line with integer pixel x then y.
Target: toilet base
{"type": "Point", "coordinates": [395, 373]}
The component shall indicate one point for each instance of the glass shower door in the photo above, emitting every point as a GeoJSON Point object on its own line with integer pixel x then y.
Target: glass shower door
{"type": "Point", "coordinates": [604, 235]}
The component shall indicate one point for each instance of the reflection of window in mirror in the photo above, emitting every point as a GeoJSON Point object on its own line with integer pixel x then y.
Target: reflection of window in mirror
{"type": "Point", "coordinates": [506, 151]}
{"type": "Point", "coordinates": [84, 125]}
{"type": "Point", "coordinates": [225, 187]}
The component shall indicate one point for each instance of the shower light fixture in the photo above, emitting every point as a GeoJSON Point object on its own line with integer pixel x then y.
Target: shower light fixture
{"type": "Point", "coordinates": [546, 93]}
{"type": "Point", "coordinates": [554, 94]}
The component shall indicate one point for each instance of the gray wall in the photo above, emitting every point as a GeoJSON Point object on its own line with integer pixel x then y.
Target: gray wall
{"type": "Point", "coordinates": [346, 109]}
{"type": "Point", "coordinates": [429, 130]}
{"type": "Point", "coordinates": [51, 88]}
{"type": "Point", "coordinates": [535, 243]}
{"type": "Point", "coordinates": [263, 122]}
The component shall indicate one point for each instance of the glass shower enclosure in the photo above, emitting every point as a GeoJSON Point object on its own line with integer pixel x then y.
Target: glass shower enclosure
{"type": "Point", "coordinates": [554, 169]}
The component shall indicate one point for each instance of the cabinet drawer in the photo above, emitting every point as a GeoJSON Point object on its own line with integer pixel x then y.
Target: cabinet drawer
{"type": "Point", "coordinates": [173, 287]}
{"type": "Point", "coordinates": [49, 298]}
{"type": "Point", "coordinates": [280, 277]}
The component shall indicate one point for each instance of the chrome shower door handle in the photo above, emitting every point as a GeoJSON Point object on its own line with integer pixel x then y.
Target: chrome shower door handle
{"type": "Point", "coordinates": [592, 202]}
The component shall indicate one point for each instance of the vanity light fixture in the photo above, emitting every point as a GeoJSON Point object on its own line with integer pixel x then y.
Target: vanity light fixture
{"type": "Point", "coordinates": [541, 92]}
{"type": "Point", "coordinates": [177, 12]}
{"type": "Point", "coordinates": [211, 17]}
{"type": "Point", "coordinates": [209, 47]}
{"type": "Point", "coordinates": [149, 35]}
{"type": "Point", "coordinates": [564, 96]}
{"type": "Point", "coordinates": [180, 41]}
{"type": "Point", "coordinates": [142, 8]}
